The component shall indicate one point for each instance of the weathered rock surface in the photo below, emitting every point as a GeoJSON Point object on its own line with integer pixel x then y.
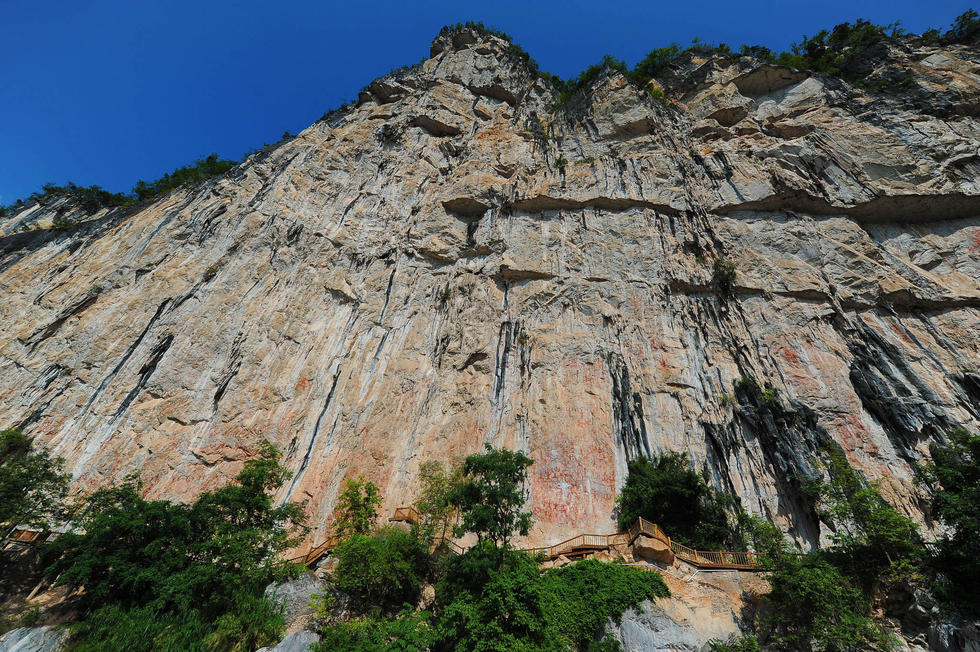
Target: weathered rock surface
{"type": "Point", "coordinates": [450, 263]}
{"type": "Point", "coordinates": [296, 599]}
{"type": "Point", "coordinates": [296, 642]}
{"type": "Point", "coordinates": [708, 608]}
{"type": "Point", "coordinates": [34, 639]}
{"type": "Point", "coordinates": [652, 549]}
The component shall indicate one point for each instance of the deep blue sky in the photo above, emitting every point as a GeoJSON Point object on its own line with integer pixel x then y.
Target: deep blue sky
{"type": "Point", "coordinates": [107, 92]}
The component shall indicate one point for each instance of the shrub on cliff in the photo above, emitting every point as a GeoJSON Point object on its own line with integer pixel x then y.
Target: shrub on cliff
{"type": "Point", "coordinates": [873, 544]}
{"type": "Point", "coordinates": [384, 569]}
{"type": "Point", "coordinates": [438, 515]}
{"type": "Point", "coordinates": [954, 477]}
{"type": "Point", "coordinates": [409, 630]}
{"type": "Point", "coordinates": [813, 606]}
{"type": "Point", "coordinates": [668, 492]}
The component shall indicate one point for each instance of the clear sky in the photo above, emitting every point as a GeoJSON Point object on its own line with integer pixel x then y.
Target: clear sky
{"type": "Point", "coordinates": [110, 91]}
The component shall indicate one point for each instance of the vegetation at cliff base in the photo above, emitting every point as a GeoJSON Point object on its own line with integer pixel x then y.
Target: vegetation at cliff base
{"type": "Point", "coordinates": [489, 598]}
{"type": "Point", "coordinates": [161, 575]}
{"type": "Point", "coordinates": [33, 484]}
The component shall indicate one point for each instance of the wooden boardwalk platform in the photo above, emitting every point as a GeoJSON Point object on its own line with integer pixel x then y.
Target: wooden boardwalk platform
{"type": "Point", "coordinates": [583, 545]}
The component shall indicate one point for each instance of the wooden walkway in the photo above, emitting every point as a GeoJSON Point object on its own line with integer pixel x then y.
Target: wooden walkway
{"type": "Point", "coordinates": [582, 545]}
{"type": "Point", "coordinates": [585, 544]}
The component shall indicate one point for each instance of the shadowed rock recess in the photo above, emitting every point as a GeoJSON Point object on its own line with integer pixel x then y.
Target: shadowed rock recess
{"type": "Point", "coordinates": [450, 262]}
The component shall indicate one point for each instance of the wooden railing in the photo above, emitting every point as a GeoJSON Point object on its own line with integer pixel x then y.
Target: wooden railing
{"type": "Point", "coordinates": [406, 515]}
{"type": "Point", "coordinates": [585, 543]}
{"type": "Point", "coordinates": [581, 544]}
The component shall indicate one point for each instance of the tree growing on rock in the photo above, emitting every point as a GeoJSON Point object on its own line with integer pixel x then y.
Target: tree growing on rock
{"type": "Point", "coordinates": [357, 508]}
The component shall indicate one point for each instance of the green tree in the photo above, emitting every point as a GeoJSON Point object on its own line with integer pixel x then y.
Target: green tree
{"type": "Point", "coordinates": [434, 502]}
{"type": "Point", "coordinates": [954, 477]}
{"type": "Point", "coordinates": [33, 484]}
{"type": "Point", "coordinates": [873, 543]}
{"type": "Point", "coordinates": [667, 491]}
{"type": "Point", "coordinates": [492, 495]}
{"type": "Point", "coordinates": [357, 507]}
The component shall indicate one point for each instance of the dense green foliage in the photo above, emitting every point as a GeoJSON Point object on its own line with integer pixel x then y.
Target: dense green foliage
{"type": "Point", "coordinates": [491, 496]}
{"type": "Point", "coordinates": [873, 544]}
{"type": "Point", "coordinates": [410, 631]}
{"type": "Point", "coordinates": [515, 607]}
{"type": "Point", "coordinates": [357, 507]}
{"type": "Point", "coordinates": [668, 492]}
{"type": "Point", "coordinates": [490, 598]}
{"type": "Point", "coordinates": [384, 569]}
{"type": "Point", "coordinates": [954, 476]}
{"type": "Point", "coordinates": [812, 605]}
{"type": "Point", "coordinates": [580, 599]}
{"type": "Point", "coordinates": [33, 484]}
{"type": "Point", "coordinates": [501, 610]}
{"type": "Point", "coordinates": [177, 570]}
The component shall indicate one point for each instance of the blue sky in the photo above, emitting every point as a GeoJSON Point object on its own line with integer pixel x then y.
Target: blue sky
{"type": "Point", "coordinates": [110, 91]}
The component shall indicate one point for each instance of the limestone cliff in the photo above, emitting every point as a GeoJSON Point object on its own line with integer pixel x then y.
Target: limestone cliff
{"type": "Point", "coordinates": [450, 262]}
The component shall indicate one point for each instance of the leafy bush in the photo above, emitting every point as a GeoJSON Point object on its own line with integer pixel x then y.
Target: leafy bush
{"type": "Point", "coordinates": [873, 543]}
{"type": "Point", "coordinates": [954, 476]}
{"type": "Point", "coordinates": [410, 631]}
{"type": "Point", "coordinates": [744, 643]}
{"type": "Point", "coordinates": [570, 87]}
{"type": "Point", "coordinates": [140, 629]}
{"type": "Point", "coordinates": [385, 569]}
{"type": "Point", "coordinates": [667, 491]}
{"type": "Point", "coordinates": [506, 611]}
{"type": "Point", "coordinates": [579, 599]}
{"type": "Point", "coordinates": [812, 605]}
{"type": "Point", "coordinates": [965, 28]}
{"type": "Point", "coordinates": [723, 276]}
{"type": "Point", "coordinates": [94, 198]}
{"type": "Point", "coordinates": [434, 502]}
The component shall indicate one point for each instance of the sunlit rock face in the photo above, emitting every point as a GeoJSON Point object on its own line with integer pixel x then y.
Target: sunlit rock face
{"type": "Point", "coordinates": [451, 262]}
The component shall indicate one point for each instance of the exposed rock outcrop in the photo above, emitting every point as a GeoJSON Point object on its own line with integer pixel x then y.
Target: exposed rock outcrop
{"type": "Point", "coordinates": [34, 639]}
{"type": "Point", "coordinates": [450, 263]}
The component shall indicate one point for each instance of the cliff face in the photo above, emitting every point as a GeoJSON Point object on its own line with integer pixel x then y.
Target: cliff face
{"type": "Point", "coordinates": [450, 263]}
